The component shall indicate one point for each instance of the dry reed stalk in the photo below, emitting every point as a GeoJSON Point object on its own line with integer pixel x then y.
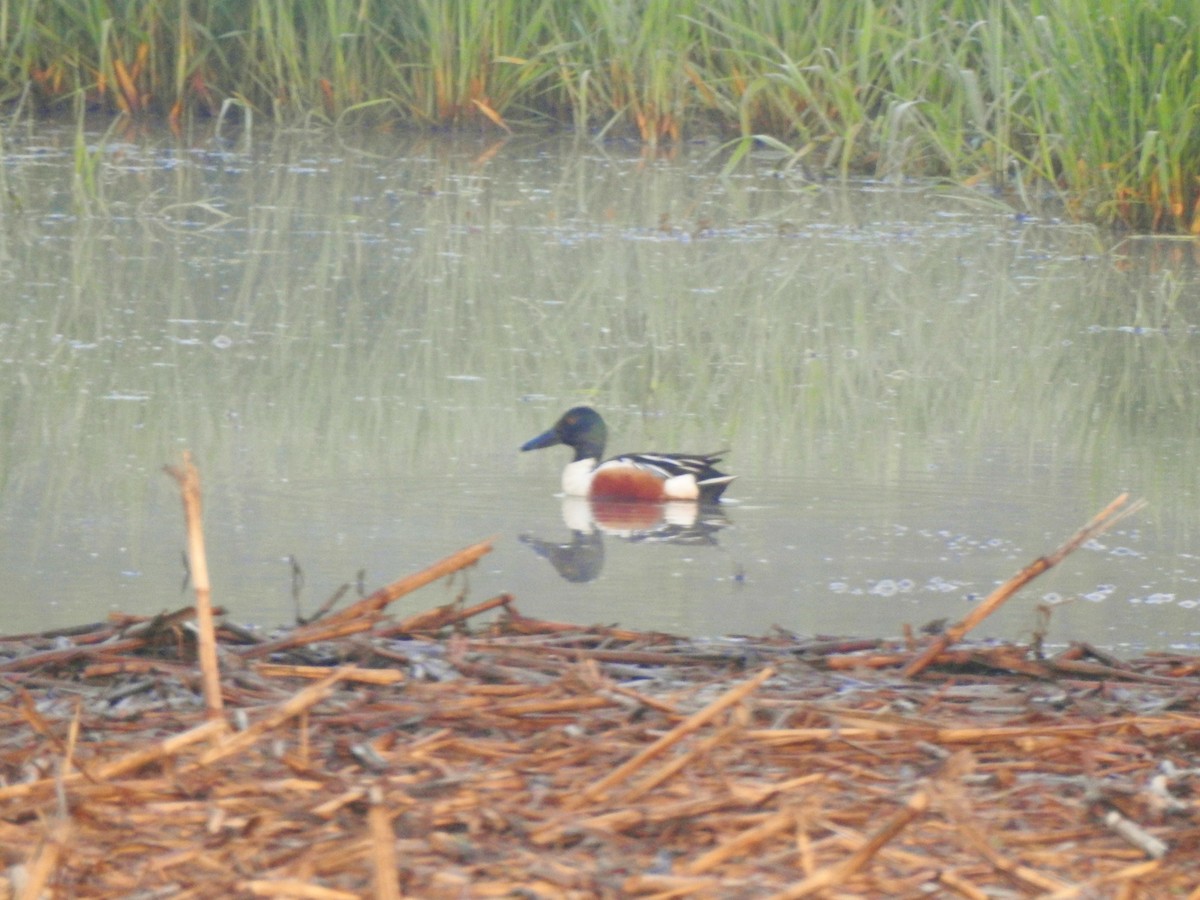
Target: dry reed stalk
{"type": "Point", "coordinates": [443, 616]}
{"type": "Point", "coordinates": [45, 862]}
{"type": "Point", "coordinates": [334, 805]}
{"type": "Point", "coordinates": [188, 479]}
{"type": "Point", "coordinates": [666, 886]}
{"type": "Point", "coordinates": [876, 661]}
{"type": "Point", "coordinates": [72, 742]}
{"type": "Point", "coordinates": [832, 876]}
{"type": "Point", "coordinates": [361, 615]}
{"type": "Point", "coordinates": [961, 885]}
{"type": "Point", "coordinates": [294, 889]}
{"type": "Point", "coordinates": [776, 824]}
{"type": "Point", "coordinates": [760, 794]}
{"type": "Point", "coordinates": [138, 666]}
{"type": "Point", "coordinates": [616, 821]}
{"type": "Point", "coordinates": [55, 657]}
{"type": "Point", "coordinates": [782, 737]}
{"type": "Point", "coordinates": [161, 624]}
{"type": "Point", "coordinates": [383, 848]}
{"type": "Point", "coordinates": [481, 778]}
{"type": "Point", "coordinates": [515, 623]}
{"type": "Point", "coordinates": [309, 634]}
{"type": "Point", "coordinates": [376, 601]}
{"type": "Point", "coordinates": [953, 800]}
{"type": "Point", "coordinates": [675, 735]}
{"type": "Point", "coordinates": [28, 711]}
{"type": "Point", "coordinates": [164, 749]}
{"type": "Point", "coordinates": [1016, 733]}
{"type": "Point", "coordinates": [549, 706]}
{"type": "Point", "coordinates": [1135, 834]}
{"type": "Point", "coordinates": [1011, 659]}
{"type": "Point", "coordinates": [983, 735]}
{"type": "Point", "coordinates": [349, 673]}
{"type": "Point", "coordinates": [641, 699]}
{"type": "Point", "coordinates": [1128, 875]}
{"type": "Point", "coordinates": [1097, 670]}
{"type": "Point", "coordinates": [654, 779]}
{"type": "Point", "coordinates": [629, 657]}
{"type": "Point", "coordinates": [1099, 523]}
{"type": "Point", "coordinates": [292, 707]}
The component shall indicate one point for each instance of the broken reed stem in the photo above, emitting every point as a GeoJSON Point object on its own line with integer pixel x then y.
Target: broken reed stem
{"type": "Point", "coordinates": [1099, 523]}
{"type": "Point", "coordinates": [409, 583]}
{"type": "Point", "coordinates": [164, 749]}
{"type": "Point", "coordinates": [188, 479]}
{"type": "Point", "coordinates": [1135, 834]}
{"type": "Point", "coordinates": [960, 886]}
{"type": "Point", "coordinates": [349, 673]}
{"type": "Point", "coordinates": [358, 616]}
{"type": "Point", "coordinates": [45, 862]}
{"type": "Point", "coordinates": [300, 888]}
{"type": "Point", "coordinates": [676, 765]}
{"type": "Point", "coordinates": [309, 634]}
{"type": "Point", "coordinates": [442, 616]}
{"type": "Point", "coordinates": [383, 847]}
{"type": "Point", "coordinates": [675, 735]}
{"type": "Point", "coordinates": [832, 876]}
{"type": "Point", "coordinates": [1137, 870]}
{"type": "Point", "coordinates": [781, 821]}
{"type": "Point", "coordinates": [289, 709]}
{"type": "Point", "coordinates": [973, 833]}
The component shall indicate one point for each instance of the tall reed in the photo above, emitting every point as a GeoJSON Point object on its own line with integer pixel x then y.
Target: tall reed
{"type": "Point", "coordinates": [1093, 101]}
{"type": "Point", "coordinates": [1116, 107]}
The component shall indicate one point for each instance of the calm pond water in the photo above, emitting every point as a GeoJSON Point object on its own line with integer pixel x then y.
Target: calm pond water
{"type": "Point", "coordinates": [920, 391]}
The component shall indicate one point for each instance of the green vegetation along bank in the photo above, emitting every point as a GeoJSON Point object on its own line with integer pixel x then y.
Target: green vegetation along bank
{"type": "Point", "coordinates": [1092, 101]}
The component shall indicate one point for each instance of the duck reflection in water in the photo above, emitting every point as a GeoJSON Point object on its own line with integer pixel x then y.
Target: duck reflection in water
{"type": "Point", "coordinates": [638, 497]}
{"type": "Point", "coordinates": [581, 559]}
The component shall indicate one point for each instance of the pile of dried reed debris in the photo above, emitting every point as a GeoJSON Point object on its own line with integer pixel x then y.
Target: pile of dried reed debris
{"type": "Point", "coordinates": [433, 757]}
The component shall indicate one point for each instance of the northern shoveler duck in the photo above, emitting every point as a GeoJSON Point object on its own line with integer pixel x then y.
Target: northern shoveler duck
{"type": "Point", "coordinates": [653, 477]}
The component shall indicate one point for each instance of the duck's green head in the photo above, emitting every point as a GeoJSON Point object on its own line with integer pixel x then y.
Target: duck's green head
{"type": "Point", "coordinates": [580, 428]}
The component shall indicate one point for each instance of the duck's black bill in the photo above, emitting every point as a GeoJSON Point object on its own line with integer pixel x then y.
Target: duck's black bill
{"type": "Point", "coordinates": [549, 439]}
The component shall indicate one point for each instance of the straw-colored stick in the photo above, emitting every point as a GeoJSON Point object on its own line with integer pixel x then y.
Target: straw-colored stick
{"type": "Point", "coordinates": [831, 876]}
{"type": "Point", "coordinates": [164, 749]}
{"type": "Point", "coordinates": [45, 862]}
{"type": "Point", "coordinates": [1128, 873]}
{"type": "Point", "coordinates": [358, 616]}
{"type": "Point", "coordinates": [781, 821]}
{"type": "Point", "coordinates": [309, 634]}
{"type": "Point", "coordinates": [959, 885]}
{"type": "Point", "coordinates": [676, 765]}
{"type": "Point", "coordinates": [676, 734]}
{"type": "Point", "coordinates": [294, 889]}
{"type": "Point", "coordinates": [383, 848]}
{"type": "Point", "coordinates": [188, 479]}
{"type": "Point", "coordinates": [349, 673]}
{"type": "Point", "coordinates": [293, 706]}
{"type": "Point", "coordinates": [409, 583]}
{"type": "Point", "coordinates": [1102, 521]}
{"type": "Point", "coordinates": [441, 616]}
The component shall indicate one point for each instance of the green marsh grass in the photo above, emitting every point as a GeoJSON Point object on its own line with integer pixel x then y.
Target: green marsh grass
{"type": "Point", "coordinates": [1089, 102]}
{"type": "Point", "coordinates": [1116, 111]}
